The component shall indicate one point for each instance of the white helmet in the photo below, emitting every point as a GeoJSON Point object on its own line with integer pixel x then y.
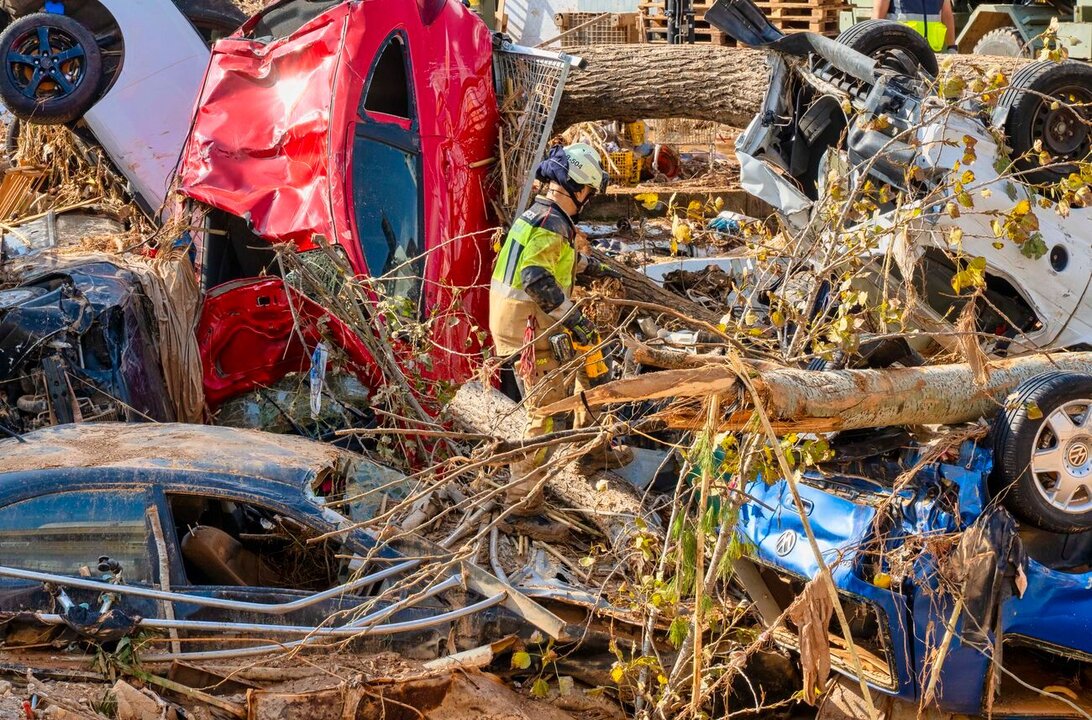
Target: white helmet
{"type": "Point", "coordinates": [584, 167]}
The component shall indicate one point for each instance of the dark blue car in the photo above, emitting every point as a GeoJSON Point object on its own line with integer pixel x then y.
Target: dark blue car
{"type": "Point", "coordinates": [213, 532]}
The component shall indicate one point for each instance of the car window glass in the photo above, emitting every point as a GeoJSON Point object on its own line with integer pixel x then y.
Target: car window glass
{"type": "Point", "coordinates": [243, 544]}
{"type": "Point", "coordinates": [62, 532]}
{"type": "Point", "coordinates": [386, 198]}
{"type": "Point", "coordinates": [388, 88]}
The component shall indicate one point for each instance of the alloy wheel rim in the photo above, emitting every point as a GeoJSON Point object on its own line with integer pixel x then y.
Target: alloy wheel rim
{"type": "Point", "coordinates": [46, 63]}
{"type": "Point", "coordinates": [1061, 462]}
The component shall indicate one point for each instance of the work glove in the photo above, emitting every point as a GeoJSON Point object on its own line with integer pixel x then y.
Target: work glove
{"type": "Point", "coordinates": [593, 269]}
{"type": "Point", "coordinates": [582, 329]}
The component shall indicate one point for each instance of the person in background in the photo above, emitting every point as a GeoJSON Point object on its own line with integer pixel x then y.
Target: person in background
{"type": "Point", "coordinates": [932, 19]}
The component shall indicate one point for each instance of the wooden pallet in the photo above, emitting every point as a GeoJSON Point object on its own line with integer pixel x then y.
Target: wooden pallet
{"type": "Point", "coordinates": [791, 16]}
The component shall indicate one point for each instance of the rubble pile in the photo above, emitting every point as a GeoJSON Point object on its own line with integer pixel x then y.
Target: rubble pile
{"type": "Point", "coordinates": [259, 445]}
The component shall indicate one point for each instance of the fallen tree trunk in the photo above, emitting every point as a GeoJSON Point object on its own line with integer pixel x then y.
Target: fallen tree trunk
{"type": "Point", "coordinates": [638, 286]}
{"type": "Point", "coordinates": [821, 401]}
{"type": "Point", "coordinates": [608, 501]}
{"type": "Point", "coordinates": [702, 82]}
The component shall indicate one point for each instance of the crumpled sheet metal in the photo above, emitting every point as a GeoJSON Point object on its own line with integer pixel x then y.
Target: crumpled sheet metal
{"type": "Point", "coordinates": [253, 332]}
{"type": "Point", "coordinates": [275, 122]}
{"type": "Point", "coordinates": [262, 133]}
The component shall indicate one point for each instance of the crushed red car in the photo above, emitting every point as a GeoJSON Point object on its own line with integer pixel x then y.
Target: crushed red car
{"type": "Point", "coordinates": [366, 129]}
{"type": "Point", "coordinates": [370, 126]}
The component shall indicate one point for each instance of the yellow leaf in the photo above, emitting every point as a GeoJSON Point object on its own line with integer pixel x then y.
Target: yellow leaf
{"type": "Point", "coordinates": [540, 688]}
{"type": "Point", "coordinates": [521, 660]}
{"type": "Point", "coordinates": [952, 209]}
{"type": "Point", "coordinates": [617, 672]}
{"type": "Point", "coordinates": [680, 230]}
{"type": "Point", "coordinates": [648, 201]}
{"type": "Point", "coordinates": [1022, 208]}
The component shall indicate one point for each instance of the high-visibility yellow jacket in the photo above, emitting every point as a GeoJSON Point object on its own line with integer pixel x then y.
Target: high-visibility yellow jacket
{"type": "Point", "coordinates": [924, 17]}
{"type": "Point", "coordinates": [541, 237]}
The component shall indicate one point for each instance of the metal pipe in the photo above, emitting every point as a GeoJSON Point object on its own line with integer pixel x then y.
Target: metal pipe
{"type": "Point", "coordinates": [360, 627]}
{"type": "Point", "coordinates": [263, 608]}
{"type": "Point", "coordinates": [494, 560]}
{"type": "Point", "coordinates": [377, 630]}
{"type": "Point", "coordinates": [452, 582]}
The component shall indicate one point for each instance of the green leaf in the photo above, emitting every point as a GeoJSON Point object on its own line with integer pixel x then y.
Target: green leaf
{"type": "Point", "coordinates": [521, 660]}
{"type": "Point", "coordinates": [676, 633]}
{"type": "Point", "coordinates": [1034, 247]}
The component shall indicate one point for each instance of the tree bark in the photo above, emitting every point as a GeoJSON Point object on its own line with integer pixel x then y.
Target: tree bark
{"type": "Point", "coordinates": [607, 500]}
{"type": "Point", "coordinates": [637, 286]}
{"type": "Point", "coordinates": [812, 401]}
{"type": "Point", "coordinates": [702, 82]}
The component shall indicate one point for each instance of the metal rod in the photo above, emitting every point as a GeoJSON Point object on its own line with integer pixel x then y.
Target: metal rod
{"type": "Point", "coordinates": [264, 608]}
{"type": "Point", "coordinates": [564, 58]}
{"type": "Point", "coordinates": [494, 559]}
{"type": "Point", "coordinates": [388, 629]}
{"type": "Point", "coordinates": [361, 627]}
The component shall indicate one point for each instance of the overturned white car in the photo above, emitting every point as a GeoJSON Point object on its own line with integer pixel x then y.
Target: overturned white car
{"type": "Point", "coordinates": [948, 185]}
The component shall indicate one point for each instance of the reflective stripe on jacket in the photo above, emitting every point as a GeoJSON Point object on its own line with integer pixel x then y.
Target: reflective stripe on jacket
{"type": "Point", "coordinates": [923, 16]}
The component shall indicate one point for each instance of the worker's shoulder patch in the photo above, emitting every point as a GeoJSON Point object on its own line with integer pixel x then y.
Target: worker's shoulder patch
{"type": "Point", "coordinates": [549, 218]}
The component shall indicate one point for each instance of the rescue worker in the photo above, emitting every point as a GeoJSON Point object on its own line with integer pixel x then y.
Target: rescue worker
{"type": "Point", "coordinates": [932, 19]}
{"type": "Point", "coordinates": [529, 300]}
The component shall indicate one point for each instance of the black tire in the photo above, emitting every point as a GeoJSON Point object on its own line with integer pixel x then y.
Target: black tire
{"type": "Point", "coordinates": [892, 44]}
{"type": "Point", "coordinates": [1021, 435]}
{"type": "Point", "coordinates": [1002, 42]}
{"type": "Point", "coordinates": [214, 19]}
{"type": "Point", "coordinates": [1028, 117]}
{"type": "Point", "coordinates": [60, 92]}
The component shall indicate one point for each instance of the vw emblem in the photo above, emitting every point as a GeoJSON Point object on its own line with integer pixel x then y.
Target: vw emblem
{"type": "Point", "coordinates": [1078, 454]}
{"type": "Point", "coordinates": [786, 541]}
